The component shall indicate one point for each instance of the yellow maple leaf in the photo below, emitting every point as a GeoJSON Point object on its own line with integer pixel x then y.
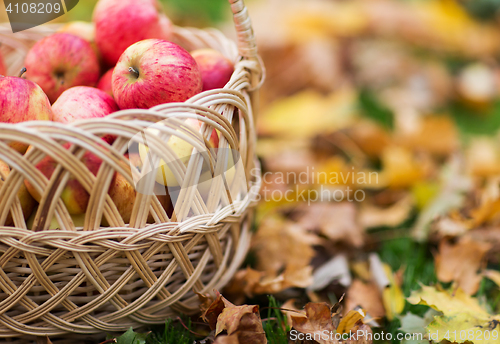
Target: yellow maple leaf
{"type": "Point", "coordinates": [462, 320]}
{"type": "Point", "coordinates": [447, 302]}
{"type": "Point", "coordinates": [309, 113]}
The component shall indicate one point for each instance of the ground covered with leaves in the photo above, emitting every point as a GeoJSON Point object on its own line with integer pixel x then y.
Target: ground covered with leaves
{"type": "Point", "coordinates": [380, 207]}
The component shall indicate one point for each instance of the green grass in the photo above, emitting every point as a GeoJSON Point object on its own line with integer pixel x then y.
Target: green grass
{"type": "Point", "coordinates": [275, 325]}
{"type": "Point", "coordinates": [173, 333]}
{"type": "Point", "coordinates": [371, 107]}
{"type": "Point", "coordinates": [477, 122]}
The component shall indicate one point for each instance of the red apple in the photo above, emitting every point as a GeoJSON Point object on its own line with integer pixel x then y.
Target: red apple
{"type": "Point", "coordinates": [22, 100]}
{"type": "Point", "coordinates": [215, 68]}
{"type": "Point", "coordinates": [121, 23]}
{"type": "Point", "coordinates": [74, 195]}
{"type": "Point", "coordinates": [84, 30]}
{"type": "Point", "coordinates": [3, 68]}
{"type": "Point", "coordinates": [62, 61]}
{"type": "Point", "coordinates": [153, 72]}
{"type": "Point", "coordinates": [82, 102]}
{"type": "Point", "coordinates": [104, 83]}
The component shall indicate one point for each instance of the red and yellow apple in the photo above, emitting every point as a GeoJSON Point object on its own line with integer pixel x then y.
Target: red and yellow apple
{"type": "Point", "coordinates": [153, 72]}
{"type": "Point", "coordinates": [82, 102]}
{"type": "Point", "coordinates": [62, 61]}
{"type": "Point", "coordinates": [121, 23]}
{"type": "Point", "coordinates": [20, 101]}
{"type": "Point", "coordinates": [215, 68]}
{"type": "Point", "coordinates": [74, 196]}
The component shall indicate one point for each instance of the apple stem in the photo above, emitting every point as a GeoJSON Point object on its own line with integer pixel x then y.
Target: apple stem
{"type": "Point", "coordinates": [22, 72]}
{"type": "Point", "coordinates": [133, 71]}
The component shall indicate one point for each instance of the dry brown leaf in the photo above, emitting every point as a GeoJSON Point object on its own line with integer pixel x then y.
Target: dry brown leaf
{"type": "Point", "coordinates": [460, 263]}
{"type": "Point", "coordinates": [242, 321]}
{"type": "Point", "coordinates": [372, 216]}
{"type": "Point", "coordinates": [277, 242]}
{"type": "Point", "coordinates": [401, 169]}
{"type": "Point", "coordinates": [367, 296]}
{"type": "Point", "coordinates": [289, 310]}
{"type": "Point", "coordinates": [370, 137]}
{"type": "Point", "coordinates": [213, 310]}
{"type": "Point", "coordinates": [251, 282]}
{"type": "Point", "coordinates": [483, 157]}
{"type": "Point", "coordinates": [364, 339]}
{"type": "Point", "coordinates": [318, 320]}
{"type": "Point", "coordinates": [232, 339]}
{"type": "Point", "coordinates": [244, 281]}
{"type": "Point", "coordinates": [435, 134]}
{"type": "Point", "coordinates": [337, 221]}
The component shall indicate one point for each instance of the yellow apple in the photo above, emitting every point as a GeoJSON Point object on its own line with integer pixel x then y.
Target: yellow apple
{"type": "Point", "coordinates": [182, 149]}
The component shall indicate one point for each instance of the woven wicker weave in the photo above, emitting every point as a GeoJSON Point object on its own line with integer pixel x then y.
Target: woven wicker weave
{"type": "Point", "coordinates": [95, 279]}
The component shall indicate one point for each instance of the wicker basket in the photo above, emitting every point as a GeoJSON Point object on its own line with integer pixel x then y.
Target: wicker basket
{"type": "Point", "coordinates": [95, 279]}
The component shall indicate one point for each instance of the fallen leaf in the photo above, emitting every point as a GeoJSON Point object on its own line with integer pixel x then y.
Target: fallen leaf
{"type": "Point", "coordinates": [243, 321]}
{"type": "Point", "coordinates": [286, 118]}
{"type": "Point", "coordinates": [444, 327]}
{"type": "Point", "coordinates": [460, 262]}
{"type": "Point", "coordinates": [434, 134]}
{"type": "Point", "coordinates": [448, 302]}
{"type": "Point", "coordinates": [291, 277]}
{"type": "Point", "coordinates": [317, 322]}
{"type": "Point", "coordinates": [361, 334]}
{"type": "Point", "coordinates": [277, 242]}
{"type": "Point", "coordinates": [483, 157]}
{"type": "Point", "coordinates": [232, 339]}
{"type": "Point", "coordinates": [392, 296]}
{"type": "Point", "coordinates": [401, 168]}
{"type": "Point", "coordinates": [336, 268]}
{"type": "Point", "coordinates": [370, 137]}
{"type": "Point", "coordinates": [211, 313]}
{"type": "Point", "coordinates": [460, 314]}
{"type": "Point", "coordinates": [350, 320]}
{"type": "Point", "coordinates": [377, 271]}
{"type": "Point", "coordinates": [454, 185]}
{"type": "Point", "coordinates": [337, 221]}
{"type": "Point", "coordinates": [372, 216]}
{"type": "Point", "coordinates": [288, 309]}
{"type": "Point", "coordinates": [366, 296]}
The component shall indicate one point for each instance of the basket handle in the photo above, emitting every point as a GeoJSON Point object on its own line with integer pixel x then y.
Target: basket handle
{"type": "Point", "coordinates": [247, 45]}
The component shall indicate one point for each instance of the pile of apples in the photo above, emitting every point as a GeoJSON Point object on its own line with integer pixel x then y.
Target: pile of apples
{"type": "Point", "coordinates": [124, 59]}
